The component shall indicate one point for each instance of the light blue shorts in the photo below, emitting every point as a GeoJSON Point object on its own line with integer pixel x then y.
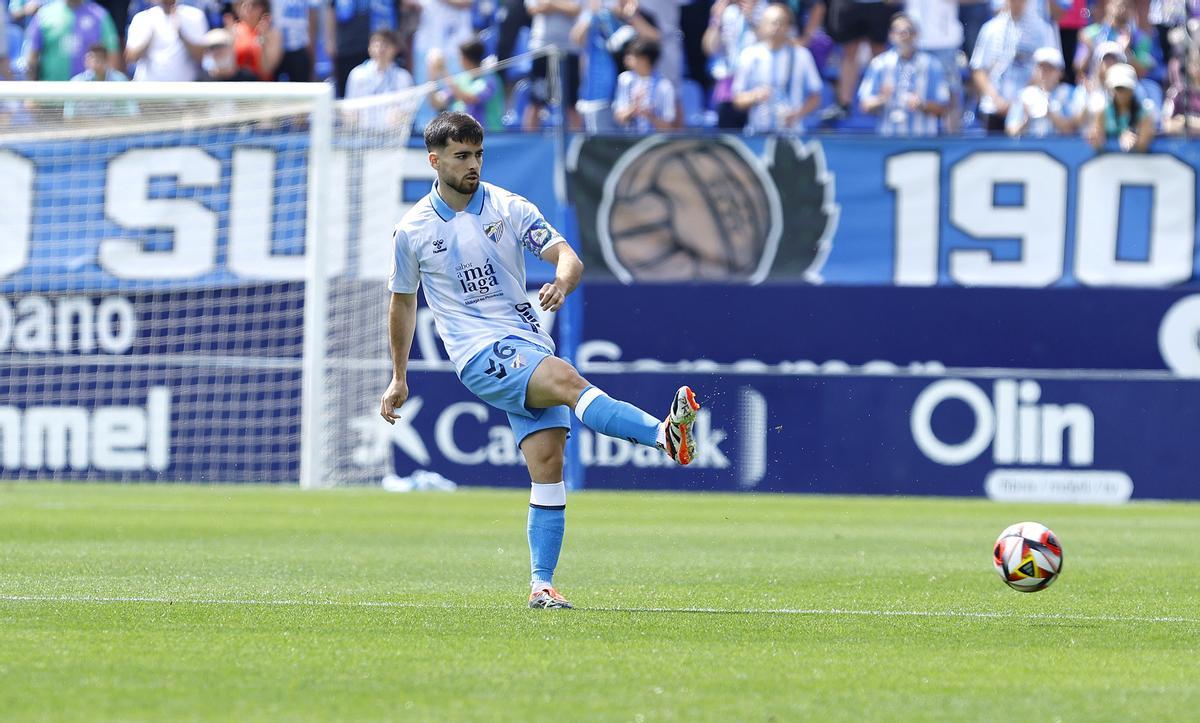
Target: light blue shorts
{"type": "Point", "coordinates": [499, 375]}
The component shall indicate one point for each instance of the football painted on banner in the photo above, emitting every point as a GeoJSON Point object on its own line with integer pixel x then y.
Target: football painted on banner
{"type": "Point", "coordinates": [1027, 556]}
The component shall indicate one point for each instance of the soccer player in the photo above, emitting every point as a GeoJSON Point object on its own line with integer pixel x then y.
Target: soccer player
{"type": "Point", "coordinates": [466, 242]}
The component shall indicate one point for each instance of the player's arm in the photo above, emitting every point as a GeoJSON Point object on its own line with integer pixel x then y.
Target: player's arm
{"type": "Point", "coordinates": [402, 320]}
{"type": "Point", "coordinates": [568, 271]}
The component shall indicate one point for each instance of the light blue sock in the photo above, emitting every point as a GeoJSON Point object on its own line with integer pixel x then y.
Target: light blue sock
{"type": "Point", "coordinates": [547, 520]}
{"type": "Point", "coordinates": [614, 418]}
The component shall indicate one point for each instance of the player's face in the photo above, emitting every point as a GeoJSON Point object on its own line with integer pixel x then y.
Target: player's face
{"type": "Point", "coordinates": [458, 166]}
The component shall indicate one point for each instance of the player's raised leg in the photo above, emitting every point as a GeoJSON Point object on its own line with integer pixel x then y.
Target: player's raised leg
{"type": "Point", "coordinates": [543, 452]}
{"type": "Point", "coordinates": [556, 382]}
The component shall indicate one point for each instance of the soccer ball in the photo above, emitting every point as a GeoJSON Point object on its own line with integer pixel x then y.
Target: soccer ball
{"type": "Point", "coordinates": [1027, 556]}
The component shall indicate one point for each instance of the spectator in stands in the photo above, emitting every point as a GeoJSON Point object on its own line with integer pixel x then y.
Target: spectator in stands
{"type": "Point", "coordinates": [645, 101]}
{"type": "Point", "coordinates": [297, 21]}
{"type": "Point", "coordinates": [853, 23]}
{"type": "Point", "coordinates": [1003, 60]}
{"type": "Point", "coordinates": [220, 60]}
{"type": "Point", "coordinates": [98, 69]}
{"type": "Point", "coordinates": [348, 25]}
{"type": "Point", "coordinates": [1044, 107]}
{"type": "Point", "coordinates": [906, 87]}
{"type": "Point", "coordinates": [666, 15]}
{"type": "Point", "coordinates": [731, 29]}
{"type": "Point", "coordinates": [22, 11]}
{"type": "Point", "coordinates": [474, 91]}
{"type": "Point", "coordinates": [1126, 119]}
{"type": "Point", "coordinates": [257, 44]}
{"type": "Point", "coordinates": [167, 42]}
{"type": "Point", "coordinates": [379, 74]}
{"type": "Point", "coordinates": [1119, 27]}
{"type": "Point", "coordinates": [603, 30]}
{"type": "Point", "coordinates": [777, 82]}
{"type": "Point", "coordinates": [940, 33]}
{"type": "Point", "coordinates": [1181, 109]}
{"type": "Point", "coordinates": [1091, 95]}
{"type": "Point", "coordinates": [1073, 19]}
{"type": "Point", "coordinates": [551, 25]}
{"type": "Point", "coordinates": [444, 25]}
{"type": "Point", "coordinates": [60, 34]}
{"type": "Point", "coordinates": [810, 23]}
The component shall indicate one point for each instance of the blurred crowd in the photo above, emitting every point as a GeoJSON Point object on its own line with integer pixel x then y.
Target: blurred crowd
{"type": "Point", "coordinates": [1106, 70]}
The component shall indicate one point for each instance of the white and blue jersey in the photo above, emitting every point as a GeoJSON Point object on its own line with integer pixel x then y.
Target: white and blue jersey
{"type": "Point", "coordinates": [473, 266]}
{"type": "Point", "coordinates": [920, 75]}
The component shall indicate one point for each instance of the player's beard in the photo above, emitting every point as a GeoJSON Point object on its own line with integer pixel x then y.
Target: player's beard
{"type": "Point", "coordinates": [464, 186]}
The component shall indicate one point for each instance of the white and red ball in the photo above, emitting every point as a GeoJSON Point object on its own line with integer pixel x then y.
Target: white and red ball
{"type": "Point", "coordinates": [1028, 556]}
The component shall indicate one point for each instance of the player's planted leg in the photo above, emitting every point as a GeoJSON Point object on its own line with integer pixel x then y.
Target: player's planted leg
{"type": "Point", "coordinates": [543, 452]}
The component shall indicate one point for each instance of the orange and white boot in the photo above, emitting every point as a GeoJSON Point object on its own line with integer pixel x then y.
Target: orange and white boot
{"type": "Point", "coordinates": [677, 439]}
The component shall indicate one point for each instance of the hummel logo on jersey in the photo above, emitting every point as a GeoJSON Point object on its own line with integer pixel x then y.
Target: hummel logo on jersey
{"type": "Point", "coordinates": [439, 246]}
{"type": "Point", "coordinates": [493, 231]}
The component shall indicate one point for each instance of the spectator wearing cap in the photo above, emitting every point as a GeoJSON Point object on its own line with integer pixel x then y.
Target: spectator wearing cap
{"type": "Point", "coordinates": [167, 42]}
{"type": "Point", "coordinates": [645, 101]}
{"type": "Point", "coordinates": [777, 82]}
{"type": "Point", "coordinates": [1181, 108]}
{"type": "Point", "coordinates": [1044, 106]}
{"type": "Point", "coordinates": [220, 61]}
{"type": "Point", "coordinates": [906, 87]}
{"type": "Point", "coordinates": [1127, 120]}
{"type": "Point", "coordinates": [59, 36]}
{"type": "Point", "coordinates": [1003, 60]}
{"type": "Point", "coordinates": [1091, 94]}
{"type": "Point", "coordinates": [1118, 27]}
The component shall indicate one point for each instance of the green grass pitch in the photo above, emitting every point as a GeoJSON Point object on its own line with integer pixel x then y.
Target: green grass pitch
{"type": "Point", "coordinates": [236, 603]}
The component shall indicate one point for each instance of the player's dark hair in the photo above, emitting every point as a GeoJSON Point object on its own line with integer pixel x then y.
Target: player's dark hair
{"type": "Point", "coordinates": [645, 48]}
{"type": "Point", "coordinates": [452, 126]}
{"type": "Point", "coordinates": [99, 49]}
{"type": "Point", "coordinates": [473, 50]}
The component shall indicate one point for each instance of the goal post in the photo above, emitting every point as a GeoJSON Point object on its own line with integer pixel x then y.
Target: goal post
{"type": "Point", "coordinates": [162, 288]}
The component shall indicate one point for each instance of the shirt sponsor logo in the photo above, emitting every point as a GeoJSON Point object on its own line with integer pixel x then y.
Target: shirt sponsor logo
{"type": "Point", "coordinates": [478, 282]}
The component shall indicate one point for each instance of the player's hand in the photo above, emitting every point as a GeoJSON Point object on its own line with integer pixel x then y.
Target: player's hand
{"type": "Point", "coordinates": [393, 399]}
{"type": "Point", "coordinates": [551, 297]}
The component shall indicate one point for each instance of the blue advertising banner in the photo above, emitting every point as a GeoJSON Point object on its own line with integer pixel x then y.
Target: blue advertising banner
{"type": "Point", "coordinates": [204, 207]}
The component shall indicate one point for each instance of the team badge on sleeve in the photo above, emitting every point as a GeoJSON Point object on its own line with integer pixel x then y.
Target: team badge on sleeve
{"type": "Point", "coordinates": [494, 231]}
{"type": "Point", "coordinates": [538, 236]}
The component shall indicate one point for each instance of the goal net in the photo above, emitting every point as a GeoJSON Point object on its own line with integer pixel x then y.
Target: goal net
{"type": "Point", "coordinates": [160, 318]}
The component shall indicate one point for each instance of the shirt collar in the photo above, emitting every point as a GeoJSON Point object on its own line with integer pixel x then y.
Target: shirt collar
{"type": "Point", "coordinates": [475, 205]}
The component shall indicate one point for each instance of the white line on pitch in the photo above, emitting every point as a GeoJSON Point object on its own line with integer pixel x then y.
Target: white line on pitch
{"type": "Point", "coordinates": [692, 610]}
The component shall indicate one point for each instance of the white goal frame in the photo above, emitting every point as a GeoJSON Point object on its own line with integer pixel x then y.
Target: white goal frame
{"type": "Point", "coordinates": [319, 96]}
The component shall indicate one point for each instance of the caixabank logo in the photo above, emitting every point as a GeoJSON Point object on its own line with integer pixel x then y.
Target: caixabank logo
{"type": "Point", "coordinates": [680, 209]}
{"type": "Point", "coordinates": [1041, 451]}
{"type": "Point", "coordinates": [455, 438]}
